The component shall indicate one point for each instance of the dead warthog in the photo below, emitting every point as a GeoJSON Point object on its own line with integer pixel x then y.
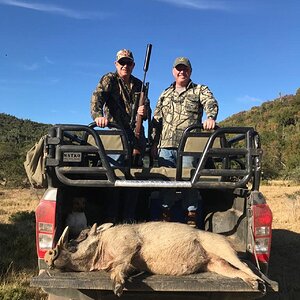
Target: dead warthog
{"type": "Point", "coordinates": [157, 247]}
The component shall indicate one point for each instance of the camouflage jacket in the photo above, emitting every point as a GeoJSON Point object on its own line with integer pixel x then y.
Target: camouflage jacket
{"type": "Point", "coordinates": [113, 99]}
{"type": "Point", "coordinates": [175, 111]}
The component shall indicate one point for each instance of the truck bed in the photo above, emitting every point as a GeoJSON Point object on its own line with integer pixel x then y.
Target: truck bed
{"type": "Point", "coordinates": [227, 175]}
{"type": "Point", "coordinates": [160, 287]}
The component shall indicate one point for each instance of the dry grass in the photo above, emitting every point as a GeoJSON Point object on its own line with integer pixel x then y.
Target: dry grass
{"type": "Point", "coordinates": [285, 204]}
{"type": "Point", "coordinates": [18, 261]}
{"type": "Point", "coordinates": [17, 205]}
{"type": "Point", "coordinates": [13, 201]}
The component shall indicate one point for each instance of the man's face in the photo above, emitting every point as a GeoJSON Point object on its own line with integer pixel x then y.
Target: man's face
{"type": "Point", "coordinates": [182, 74]}
{"type": "Point", "coordinates": [124, 67]}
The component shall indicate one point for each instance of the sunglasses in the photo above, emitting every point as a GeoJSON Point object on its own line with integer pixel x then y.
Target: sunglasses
{"type": "Point", "coordinates": [124, 62]}
{"type": "Point", "coordinates": [182, 68]}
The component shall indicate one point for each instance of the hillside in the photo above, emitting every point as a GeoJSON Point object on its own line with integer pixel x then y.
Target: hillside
{"type": "Point", "coordinates": [16, 138]}
{"type": "Point", "coordinates": [278, 123]}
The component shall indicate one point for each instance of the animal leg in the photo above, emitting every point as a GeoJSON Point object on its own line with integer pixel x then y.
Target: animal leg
{"type": "Point", "coordinates": [120, 271]}
{"type": "Point", "coordinates": [118, 278]}
{"type": "Point", "coordinates": [222, 267]}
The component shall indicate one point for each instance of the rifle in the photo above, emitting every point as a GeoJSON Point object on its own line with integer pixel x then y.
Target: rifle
{"type": "Point", "coordinates": [142, 101]}
{"type": "Point", "coordinates": [139, 118]}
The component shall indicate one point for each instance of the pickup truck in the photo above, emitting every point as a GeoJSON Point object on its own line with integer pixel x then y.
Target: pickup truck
{"type": "Point", "coordinates": [227, 176]}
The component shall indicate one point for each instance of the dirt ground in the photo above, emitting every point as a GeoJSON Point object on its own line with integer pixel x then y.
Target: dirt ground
{"type": "Point", "coordinates": [282, 197]}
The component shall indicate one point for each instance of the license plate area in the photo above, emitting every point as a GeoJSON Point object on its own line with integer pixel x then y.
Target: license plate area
{"type": "Point", "coordinates": [72, 157]}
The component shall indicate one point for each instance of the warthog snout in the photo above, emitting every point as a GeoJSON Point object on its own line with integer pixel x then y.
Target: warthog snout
{"type": "Point", "coordinates": [51, 256]}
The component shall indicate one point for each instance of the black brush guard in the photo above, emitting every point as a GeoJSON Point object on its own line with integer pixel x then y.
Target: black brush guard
{"type": "Point", "coordinates": [103, 174]}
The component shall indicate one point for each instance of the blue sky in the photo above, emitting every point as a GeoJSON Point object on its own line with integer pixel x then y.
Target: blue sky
{"type": "Point", "coordinates": [53, 53]}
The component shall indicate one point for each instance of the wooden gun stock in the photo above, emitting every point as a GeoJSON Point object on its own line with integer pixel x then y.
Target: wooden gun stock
{"type": "Point", "coordinates": [139, 118]}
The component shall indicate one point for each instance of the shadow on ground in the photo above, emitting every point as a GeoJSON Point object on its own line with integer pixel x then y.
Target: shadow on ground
{"type": "Point", "coordinates": [284, 265]}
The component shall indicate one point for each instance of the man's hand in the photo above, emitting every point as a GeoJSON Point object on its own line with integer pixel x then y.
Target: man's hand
{"type": "Point", "coordinates": [101, 122]}
{"type": "Point", "coordinates": [209, 124]}
{"type": "Point", "coordinates": [142, 111]}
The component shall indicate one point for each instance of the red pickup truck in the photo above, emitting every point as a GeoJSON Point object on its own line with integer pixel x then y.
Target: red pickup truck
{"type": "Point", "coordinates": [227, 175]}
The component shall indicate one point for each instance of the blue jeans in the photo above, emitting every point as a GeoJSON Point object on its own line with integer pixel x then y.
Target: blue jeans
{"type": "Point", "coordinates": [116, 160]}
{"type": "Point", "coordinates": [168, 158]}
{"type": "Point", "coordinates": [191, 197]}
{"type": "Point", "coordinates": [122, 205]}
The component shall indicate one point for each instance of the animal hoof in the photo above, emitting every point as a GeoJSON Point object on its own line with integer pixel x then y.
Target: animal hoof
{"type": "Point", "coordinates": [118, 289]}
{"type": "Point", "coordinates": [253, 283]}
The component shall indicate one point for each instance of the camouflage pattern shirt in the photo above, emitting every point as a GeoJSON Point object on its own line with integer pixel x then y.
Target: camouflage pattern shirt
{"type": "Point", "coordinates": [175, 111]}
{"type": "Point", "coordinates": [113, 99]}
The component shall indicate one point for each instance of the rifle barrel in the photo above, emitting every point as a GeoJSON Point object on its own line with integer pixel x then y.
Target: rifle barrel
{"type": "Point", "coordinates": [147, 57]}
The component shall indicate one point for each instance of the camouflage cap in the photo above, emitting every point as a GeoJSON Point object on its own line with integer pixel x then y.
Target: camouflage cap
{"type": "Point", "coordinates": [182, 61]}
{"type": "Point", "coordinates": [124, 53]}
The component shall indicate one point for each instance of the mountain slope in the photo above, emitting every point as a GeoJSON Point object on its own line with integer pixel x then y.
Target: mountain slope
{"type": "Point", "coordinates": [16, 138]}
{"type": "Point", "coordinates": [278, 123]}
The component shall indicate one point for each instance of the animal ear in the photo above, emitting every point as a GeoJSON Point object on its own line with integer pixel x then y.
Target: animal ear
{"type": "Point", "coordinates": [93, 230]}
{"type": "Point", "coordinates": [63, 238]}
{"type": "Point", "coordinates": [104, 226]}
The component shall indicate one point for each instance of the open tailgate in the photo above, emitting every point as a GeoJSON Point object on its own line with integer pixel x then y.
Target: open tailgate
{"type": "Point", "coordinates": [145, 284]}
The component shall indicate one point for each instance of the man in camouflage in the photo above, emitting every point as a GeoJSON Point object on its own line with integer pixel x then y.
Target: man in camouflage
{"type": "Point", "coordinates": [115, 94]}
{"type": "Point", "coordinates": [178, 107]}
{"type": "Point", "coordinates": [181, 105]}
{"type": "Point", "coordinates": [113, 101]}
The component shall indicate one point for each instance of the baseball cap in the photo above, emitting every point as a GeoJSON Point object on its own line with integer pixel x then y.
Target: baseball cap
{"type": "Point", "coordinates": [182, 61]}
{"type": "Point", "coordinates": [124, 53]}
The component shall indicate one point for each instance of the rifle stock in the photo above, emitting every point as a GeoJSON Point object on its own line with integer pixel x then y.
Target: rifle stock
{"type": "Point", "coordinates": [139, 118]}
